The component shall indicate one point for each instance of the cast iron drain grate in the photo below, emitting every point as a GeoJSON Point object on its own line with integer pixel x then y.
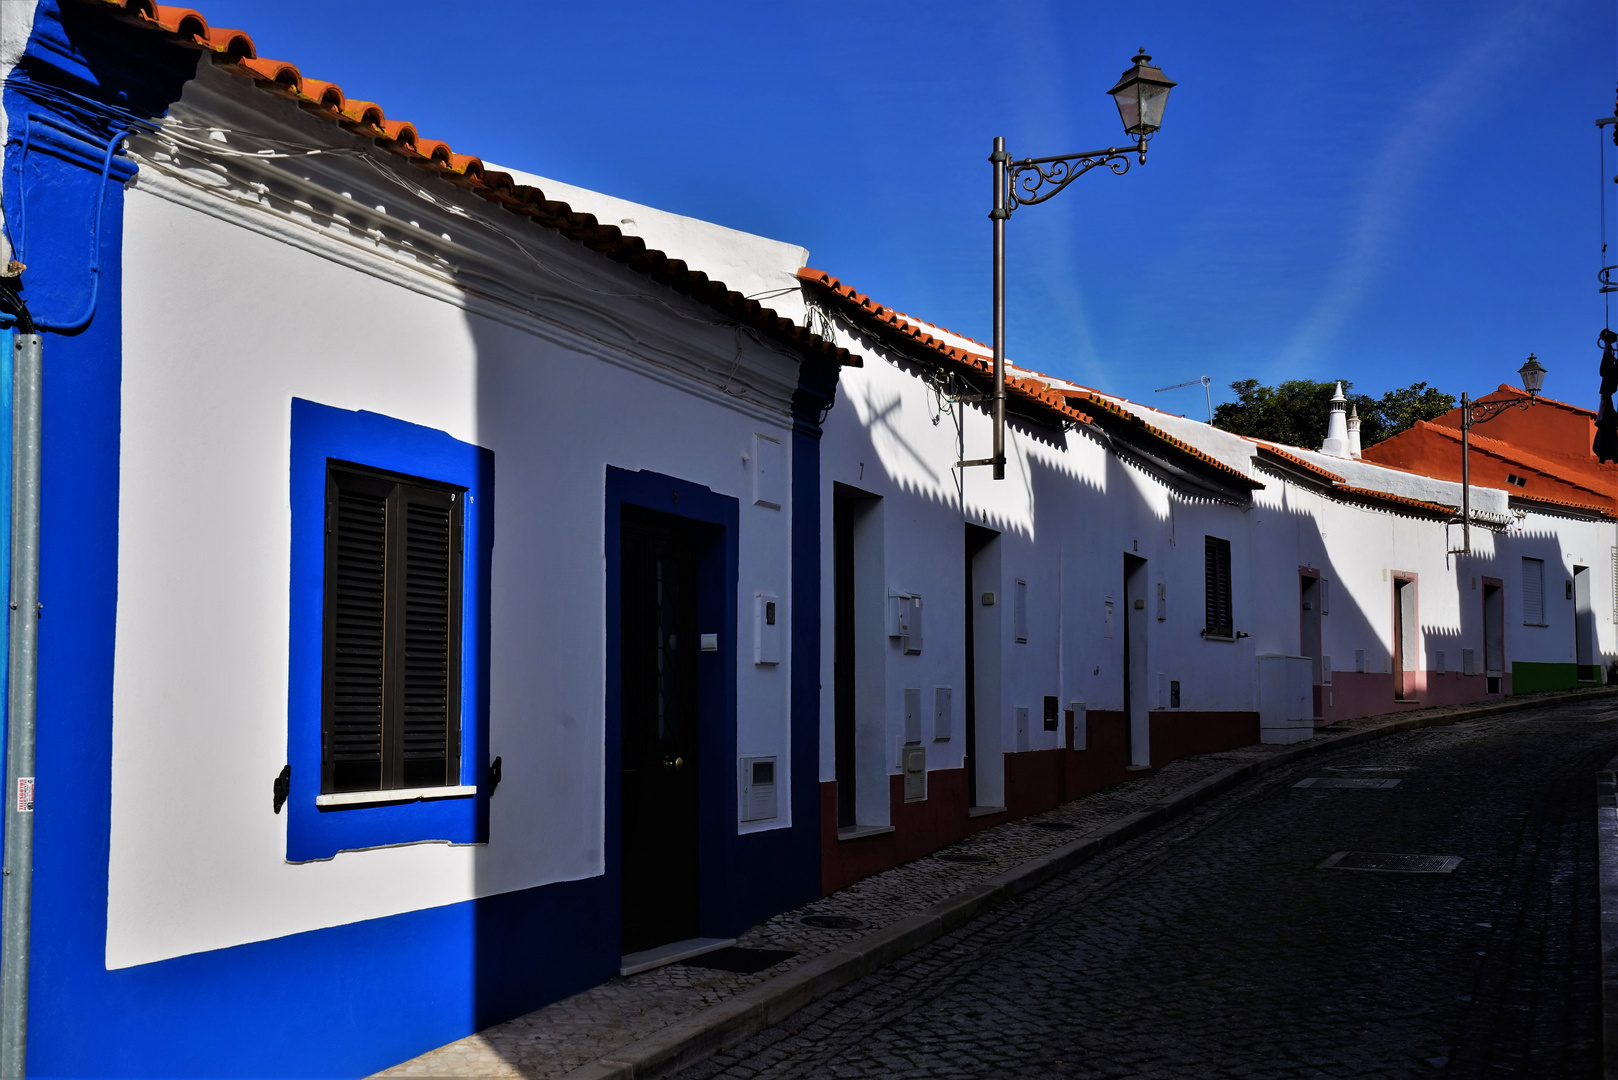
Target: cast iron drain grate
{"type": "Point", "coordinates": [1054, 826]}
{"type": "Point", "coordinates": [742, 961]}
{"type": "Point", "coordinates": [1391, 864]}
{"type": "Point", "coordinates": [1369, 768]}
{"type": "Point", "coordinates": [833, 922]}
{"type": "Point", "coordinates": [963, 857]}
{"type": "Point", "coordinates": [1362, 782]}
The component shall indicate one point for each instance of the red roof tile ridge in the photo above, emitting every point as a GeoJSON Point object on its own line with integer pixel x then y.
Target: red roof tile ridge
{"type": "Point", "coordinates": [1277, 450]}
{"type": "Point", "coordinates": [1026, 389]}
{"type": "Point", "coordinates": [1388, 496]}
{"type": "Point", "coordinates": [1604, 511]}
{"type": "Point", "coordinates": [235, 52]}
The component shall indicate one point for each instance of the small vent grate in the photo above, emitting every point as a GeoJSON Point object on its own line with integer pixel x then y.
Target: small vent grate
{"type": "Point", "coordinates": [1369, 783]}
{"type": "Point", "coordinates": [832, 922]}
{"type": "Point", "coordinates": [1391, 864]}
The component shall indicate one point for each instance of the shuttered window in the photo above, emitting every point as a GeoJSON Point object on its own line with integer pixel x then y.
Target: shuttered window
{"type": "Point", "coordinates": [1533, 591]}
{"type": "Point", "coordinates": [1216, 555]}
{"type": "Point", "coordinates": [391, 694]}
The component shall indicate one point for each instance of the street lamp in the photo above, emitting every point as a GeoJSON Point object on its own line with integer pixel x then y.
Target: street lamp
{"type": "Point", "coordinates": [1532, 374]}
{"type": "Point", "coordinates": [1141, 94]}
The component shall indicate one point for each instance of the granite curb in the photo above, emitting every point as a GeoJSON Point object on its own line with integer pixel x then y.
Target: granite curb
{"type": "Point", "coordinates": [722, 1026]}
{"type": "Point", "coordinates": [1607, 849]}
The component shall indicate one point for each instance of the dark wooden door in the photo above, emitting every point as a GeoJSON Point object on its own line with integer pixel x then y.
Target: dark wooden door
{"type": "Point", "coordinates": [659, 731]}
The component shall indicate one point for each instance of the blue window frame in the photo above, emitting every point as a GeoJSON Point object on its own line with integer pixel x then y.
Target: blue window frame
{"type": "Point", "coordinates": [322, 435]}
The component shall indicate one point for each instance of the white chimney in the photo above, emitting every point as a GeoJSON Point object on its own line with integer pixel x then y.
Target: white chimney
{"type": "Point", "coordinates": [1336, 443]}
{"type": "Point", "coordinates": [1354, 432]}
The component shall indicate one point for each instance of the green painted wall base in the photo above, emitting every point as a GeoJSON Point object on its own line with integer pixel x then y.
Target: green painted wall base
{"type": "Point", "coordinates": [1529, 678]}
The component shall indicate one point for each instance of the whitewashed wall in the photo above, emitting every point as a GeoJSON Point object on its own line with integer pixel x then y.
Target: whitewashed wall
{"type": "Point", "coordinates": [228, 316]}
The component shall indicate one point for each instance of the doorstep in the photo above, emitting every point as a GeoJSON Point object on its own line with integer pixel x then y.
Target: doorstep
{"type": "Point", "coordinates": [672, 953]}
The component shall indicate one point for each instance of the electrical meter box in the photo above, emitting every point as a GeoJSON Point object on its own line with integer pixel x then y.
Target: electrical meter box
{"type": "Point", "coordinates": [913, 757]}
{"type": "Point", "coordinates": [758, 789]}
{"type": "Point", "coordinates": [766, 629]}
{"type": "Point", "coordinates": [904, 620]}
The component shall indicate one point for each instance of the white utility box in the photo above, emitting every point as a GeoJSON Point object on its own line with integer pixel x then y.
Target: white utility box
{"type": "Point", "coordinates": [758, 789]}
{"type": "Point", "coordinates": [1286, 698]}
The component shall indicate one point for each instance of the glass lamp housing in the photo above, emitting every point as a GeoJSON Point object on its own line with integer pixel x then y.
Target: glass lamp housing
{"type": "Point", "coordinates": [1142, 94]}
{"type": "Point", "coordinates": [1533, 375]}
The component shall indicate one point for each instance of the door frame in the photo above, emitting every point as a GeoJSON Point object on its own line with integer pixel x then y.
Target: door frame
{"type": "Point", "coordinates": [718, 516]}
{"type": "Point", "coordinates": [1406, 690]}
{"type": "Point", "coordinates": [1306, 621]}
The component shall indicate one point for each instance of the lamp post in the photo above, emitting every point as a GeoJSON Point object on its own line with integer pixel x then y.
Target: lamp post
{"type": "Point", "coordinates": [1141, 94]}
{"type": "Point", "coordinates": [1477, 412]}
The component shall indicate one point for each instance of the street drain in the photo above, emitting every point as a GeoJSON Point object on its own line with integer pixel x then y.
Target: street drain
{"type": "Point", "coordinates": [1391, 864]}
{"type": "Point", "coordinates": [1369, 768]}
{"type": "Point", "coordinates": [1362, 782]}
{"type": "Point", "coordinates": [833, 922]}
{"type": "Point", "coordinates": [962, 857]}
{"type": "Point", "coordinates": [1054, 826]}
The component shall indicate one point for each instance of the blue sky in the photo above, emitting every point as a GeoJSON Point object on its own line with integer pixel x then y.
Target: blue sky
{"type": "Point", "coordinates": [1375, 191]}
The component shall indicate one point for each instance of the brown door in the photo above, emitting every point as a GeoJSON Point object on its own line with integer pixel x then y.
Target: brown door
{"type": "Point", "coordinates": [659, 730]}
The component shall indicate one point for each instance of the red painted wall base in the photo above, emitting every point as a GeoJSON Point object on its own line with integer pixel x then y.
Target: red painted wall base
{"type": "Point", "coordinates": [1036, 780]}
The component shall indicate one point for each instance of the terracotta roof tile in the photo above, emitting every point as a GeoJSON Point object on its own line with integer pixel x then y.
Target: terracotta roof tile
{"type": "Point", "coordinates": [1603, 511]}
{"type": "Point", "coordinates": [1035, 397]}
{"type": "Point", "coordinates": [1294, 459]}
{"type": "Point", "coordinates": [234, 51]}
{"type": "Point", "coordinates": [1372, 495]}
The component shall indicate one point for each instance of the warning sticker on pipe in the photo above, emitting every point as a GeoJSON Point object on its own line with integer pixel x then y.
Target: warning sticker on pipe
{"type": "Point", "coordinates": [25, 794]}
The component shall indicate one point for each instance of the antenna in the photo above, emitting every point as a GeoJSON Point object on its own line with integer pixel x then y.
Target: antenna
{"type": "Point", "coordinates": [1204, 381]}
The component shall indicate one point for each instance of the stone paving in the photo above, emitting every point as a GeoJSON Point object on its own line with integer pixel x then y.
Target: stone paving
{"type": "Point", "coordinates": [588, 1025]}
{"type": "Point", "coordinates": [1214, 946]}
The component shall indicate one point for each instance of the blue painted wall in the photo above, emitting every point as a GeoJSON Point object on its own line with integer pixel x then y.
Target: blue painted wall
{"type": "Point", "coordinates": [347, 1000]}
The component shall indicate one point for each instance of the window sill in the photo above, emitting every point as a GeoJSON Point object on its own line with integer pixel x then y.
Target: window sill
{"type": "Point", "coordinates": [397, 795]}
{"type": "Point", "coordinates": [1215, 637]}
{"type": "Point", "coordinates": [984, 811]}
{"type": "Point", "coordinates": [1542, 625]}
{"type": "Point", "coordinates": [860, 832]}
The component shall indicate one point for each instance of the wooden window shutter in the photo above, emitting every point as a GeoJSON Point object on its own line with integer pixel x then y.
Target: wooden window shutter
{"type": "Point", "coordinates": [1533, 591]}
{"type": "Point", "coordinates": [1219, 620]}
{"type": "Point", "coordinates": [390, 715]}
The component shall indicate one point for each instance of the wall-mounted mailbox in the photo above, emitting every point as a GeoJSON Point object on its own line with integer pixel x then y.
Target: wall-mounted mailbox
{"type": "Point", "coordinates": [758, 789]}
{"type": "Point", "coordinates": [766, 629]}
{"type": "Point", "coordinates": [1053, 722]}
{"type": "Point", "coordinates": [904, 620]}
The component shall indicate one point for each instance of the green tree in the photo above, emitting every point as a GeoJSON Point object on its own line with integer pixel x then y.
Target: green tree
{"type": "Point", "coordinates": [1295, 412]}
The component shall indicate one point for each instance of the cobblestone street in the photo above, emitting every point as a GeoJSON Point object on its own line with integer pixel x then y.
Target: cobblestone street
{"type": "Point", "coordinates": [1217, 946]}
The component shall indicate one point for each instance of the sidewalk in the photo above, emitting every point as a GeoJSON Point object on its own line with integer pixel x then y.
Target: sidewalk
{"type": "Point", "coordinates": [660, 1020]}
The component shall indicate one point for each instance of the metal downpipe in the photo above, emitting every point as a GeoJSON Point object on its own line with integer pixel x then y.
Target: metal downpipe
{"type": "Point", "coordinates": [999, 215]}
{"type": "Point", "coordinates": [16, 893]}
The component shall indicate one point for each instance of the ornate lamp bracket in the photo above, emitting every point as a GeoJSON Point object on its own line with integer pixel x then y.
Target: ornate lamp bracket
{"type": "Point", "coordinates": [1034, 180]}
